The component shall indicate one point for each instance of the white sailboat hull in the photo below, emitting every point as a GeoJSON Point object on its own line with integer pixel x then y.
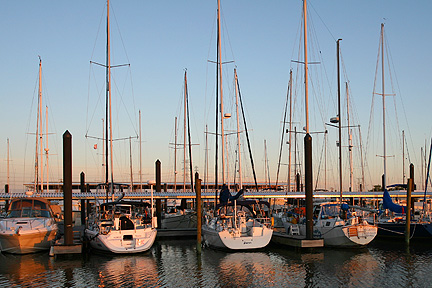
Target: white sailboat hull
{"type": "Point", "coordinates": [259, 237]}
{"type": "Point", "coordinates": [122, 241]}
{"type": "Point", "coordinates": [345, 236]}
{"type": "Point", "coordinates": [341, 236]}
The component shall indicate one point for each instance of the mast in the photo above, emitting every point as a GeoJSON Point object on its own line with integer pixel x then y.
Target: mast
{"type": "Point", "coordinates": [8, 164]}
{"type": "Point", "coordinates": [189, 138]}
{"type": "Point", "coordinates": [340, 121]}
{"type": "Point", "coordinates": [383, 101]}
{"type": "Point", "coordinates": [325, 160]}
{"type": "Point", "coordinates": [267, 176]}
{"type": "Point", "coordinates": [238, 132]}
{"type": "Point", "coordinates": [206, 161]}
{"type": "Point", "coordinates": [221, 93]}
{"type": "Point", "coordinates": [361, 159]}
{"type": "Point", "coordinates": [130, 160]}
{"type": "Point", "coordinates": [103, 148]}
{"type": "Point", "coordinates": [350, 145]}
{"type": "Point", "coordinates": [108, 106]}
{"type": "Point", "coordinates": [403, 157]}
{"type": "Point", "coordinates": [306, 66]}
{"type": "Point", "coordinates": [40, 124]}
{"type": "Point", "coordinates": [289, 137]}
{"type": "Point", "coordinates": [46, 148]}
{"type": "Point", "coordinates": [140, 170]}
{"type": "Point", "coordinates": [175, 154]}
{"type": "Point", "coordinates": [39, 134]}
{"type": "Point", "coordinates": [184, 135]}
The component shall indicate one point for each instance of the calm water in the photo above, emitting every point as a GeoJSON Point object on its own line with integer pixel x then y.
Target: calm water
{"type": "Point", "coordinates": [175, 264]}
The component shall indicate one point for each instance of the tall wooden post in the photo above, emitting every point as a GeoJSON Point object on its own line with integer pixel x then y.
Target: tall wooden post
{"type": "Point", "coordinates": [158, 189]}
{"type": "Point", "coordinates": [410, 188]}
{"type": "Point", "coordinates": [308, 186]}
{"type": "Point", "coordinates": [67, 187]}
{"type": "Point", "coordinates": [199, 211]}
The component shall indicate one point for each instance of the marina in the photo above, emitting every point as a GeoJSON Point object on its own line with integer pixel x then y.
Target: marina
{"type": "Point", "coordinates": [257, 199]}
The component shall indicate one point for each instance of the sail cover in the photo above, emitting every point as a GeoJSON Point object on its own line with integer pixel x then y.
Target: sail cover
{"type": "Point", "coordinates": [388, 204]}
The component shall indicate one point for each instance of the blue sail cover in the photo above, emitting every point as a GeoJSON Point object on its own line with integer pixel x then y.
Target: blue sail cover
{"type": "Point", "coordinates": [388, 204]}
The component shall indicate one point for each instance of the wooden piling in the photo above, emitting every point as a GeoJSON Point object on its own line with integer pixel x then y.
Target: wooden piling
{"type": "Point", "coordinates": [67, 187]}
{"type": "Point", "coordinates": [158, 189]}
{"type": "Point", "coordinates": [199, 212]}
{"type": "Point", "coordinates": [410, 188]}
{"type": "Point", "coordinates": [308, 186]}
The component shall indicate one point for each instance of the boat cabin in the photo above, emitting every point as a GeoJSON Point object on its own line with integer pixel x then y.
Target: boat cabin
{"type": "Point", "coordinates": [29, 207]}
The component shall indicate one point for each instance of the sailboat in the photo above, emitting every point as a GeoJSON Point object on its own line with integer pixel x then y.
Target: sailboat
{"type": "Point", "coordinates": [30, 224]}
{"type": "Point", "coordinates": [119, 226]}
{"type": "Point", "coordinates": [332, 221]}
{"type": "Point", "coordinates": [179, 217]}
{"type": "Point", "coordinates": [392, 219]}
{"type": "Point", "coordinates": [235, 224]}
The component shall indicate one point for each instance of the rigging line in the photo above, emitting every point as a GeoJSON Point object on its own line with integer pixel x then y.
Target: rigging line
{"type": "Point", "coordinates": [124, 105]}
{"type": "Point", "coordinates": [225, 30]}
{"type": "Point", "coordinates": [120, 35]}
{"type": "Point", "coordinates": [98, 30]}
{"type": "Point", "coordinates": [207, 113]}
{"type": "Point", "coordinates": [409, 158]}
{"type": "Point", "coordinates": [310, 5]}
{"type": "Point", "coordinates": [247, 137]}
{"type": "Point", "coordinates": [28, 127]}
{"type": "Point", "coordinates": [133, 98]}
{"type": "Point", "coordinates": [371, 115]}
{"type": "Point", "coordinates": [99, 100]}
{"type": "Point", "coordinates": [400, 97]}
{"type": "Point", "coordinates": [283, 133]}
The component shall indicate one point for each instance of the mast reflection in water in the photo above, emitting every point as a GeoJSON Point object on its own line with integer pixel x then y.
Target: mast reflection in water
{"type": "Point", "coordinates": [174, 263]}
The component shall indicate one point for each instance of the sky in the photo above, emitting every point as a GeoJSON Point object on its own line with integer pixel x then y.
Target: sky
{"type": "Point", "coordinates": [163, 39]}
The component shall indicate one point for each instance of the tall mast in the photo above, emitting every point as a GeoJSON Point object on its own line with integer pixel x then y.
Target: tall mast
{"type": "Point", "coordinates": [206, 161]}
{"type": "Point", "coordinates": [266, 165]}
{"type": "Point", "coordinates": [103, 149]}
{"type": "Point", "coordinates": [46, 148]}
{"type": "Point", "coordinates": [361, 159]}
{"type": "Point", "coordinates": [350, 145]}
{"type": "Point", "coordinates": [340, 122]}
{"type": "Point", "coordinates": [175, 154]}
{"type": "Point", "coordinates": [130, 160]}
{"type": "Point", "coordinates": [306, 65]}
{"type": "Point", "coordinates": [39, 144]}
{"type": "Point", "coordinates": [8, 164]}
{"type": "Point", "coordinates": [289, 137]}
{"type": "Point", "coordinates": [184, 136]}
{"type": "Point", "coordinates": [403, 157]}
{"type": "Point", "coordinates": [108, 103]}
{"type": "Point", "coordinates": [221, 93]}
{"type": "Point", "coordinates": [383, 101]}
{"type": "Point", "coordinates": [140, 170]}
{"type": "Point", "coordinates": [238, 133]}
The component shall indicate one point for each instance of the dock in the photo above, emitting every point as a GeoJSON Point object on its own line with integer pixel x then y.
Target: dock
{"type": "Point", "coordinates": [59, 248]}
{"type": "Point", "coordinates": [296, 240]}
{"type": "Point", "coordinates": [174, 233]}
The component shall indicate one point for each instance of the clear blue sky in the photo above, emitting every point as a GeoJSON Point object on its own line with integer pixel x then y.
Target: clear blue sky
{"type": "Point", "coordinates": [162, 38]}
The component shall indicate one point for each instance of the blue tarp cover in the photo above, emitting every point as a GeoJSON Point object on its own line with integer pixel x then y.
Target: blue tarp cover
{"type": "Point", "coordinates": [388, 204]}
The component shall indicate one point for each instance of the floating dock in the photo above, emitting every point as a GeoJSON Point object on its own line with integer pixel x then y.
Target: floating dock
{"type": "Point", "coordinates": [296, 240]}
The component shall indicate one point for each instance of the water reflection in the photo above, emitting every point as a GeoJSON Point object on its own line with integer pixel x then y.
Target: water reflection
{"type": "Point", "coordinates": [122, 270]}
{"type": "Point", "coordinates": [175, 263]}
{"type": "Point", "coordinates": [25, 269]}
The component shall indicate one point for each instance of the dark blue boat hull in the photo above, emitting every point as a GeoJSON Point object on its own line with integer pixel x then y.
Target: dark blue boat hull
{"type": "Point", "coordinates": [397, 230]}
